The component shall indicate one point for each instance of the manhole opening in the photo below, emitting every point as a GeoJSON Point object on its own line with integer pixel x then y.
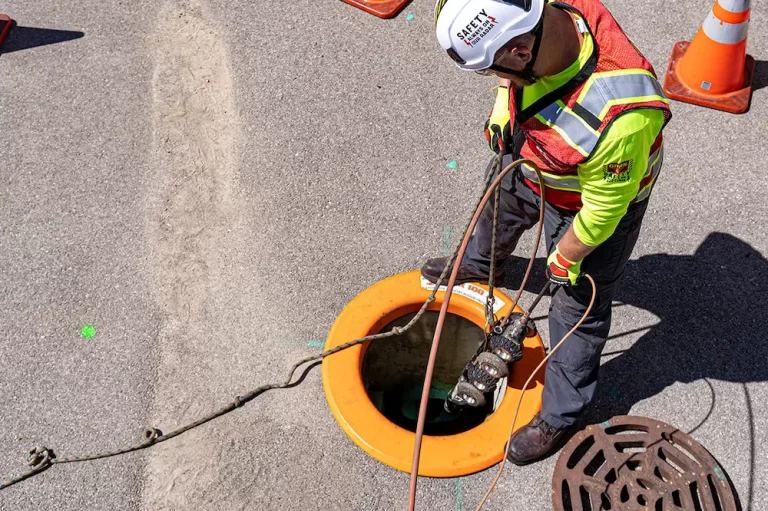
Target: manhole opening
{"type": "Point", "coordinates": [393, 374]}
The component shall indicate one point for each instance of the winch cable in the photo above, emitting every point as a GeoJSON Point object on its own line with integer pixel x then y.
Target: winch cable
{"type": "Point", "coordinates": [537, 239]}
{"type": "Point", "coordinates": [490, 314]}
{"type": "Point", "coordinates": [42, 458]}
{"type": "Point", "coordinates": [531, 260]}
{"type": "Point", "coordinates": [459, 255]}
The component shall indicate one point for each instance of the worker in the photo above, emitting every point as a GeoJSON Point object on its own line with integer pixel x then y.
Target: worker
{"type": "Point", "coordinates": [576, 97]}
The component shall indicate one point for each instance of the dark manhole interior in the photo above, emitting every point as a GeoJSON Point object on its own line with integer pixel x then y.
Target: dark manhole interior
{"type": "Point", "coordinates": [394, 368]}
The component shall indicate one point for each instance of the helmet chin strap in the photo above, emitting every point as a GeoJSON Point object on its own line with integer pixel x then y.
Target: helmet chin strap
{"type": "Point", "coordinates": [527, 73]}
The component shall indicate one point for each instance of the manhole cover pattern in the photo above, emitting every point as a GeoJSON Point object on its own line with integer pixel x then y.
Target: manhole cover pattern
{"type": "Point", "coordinates": [636, 463]}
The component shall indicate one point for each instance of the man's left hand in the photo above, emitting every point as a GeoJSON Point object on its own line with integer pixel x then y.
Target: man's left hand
{"type": "Point", "coordinates": [497, 132]}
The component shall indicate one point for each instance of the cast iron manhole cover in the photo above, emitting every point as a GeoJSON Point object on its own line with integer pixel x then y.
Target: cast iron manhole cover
{"type": "Point", "coordinates": [636, 463]}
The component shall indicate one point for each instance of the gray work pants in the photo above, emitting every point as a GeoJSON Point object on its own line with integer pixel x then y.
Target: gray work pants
{"type": "Point", "coordinates": [571, 375]}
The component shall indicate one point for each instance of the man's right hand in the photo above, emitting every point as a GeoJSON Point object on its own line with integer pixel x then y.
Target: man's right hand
{"type": "Point", "coordinates": [497, 131]}
{"type": "Point", "coordinates": [562, 271]}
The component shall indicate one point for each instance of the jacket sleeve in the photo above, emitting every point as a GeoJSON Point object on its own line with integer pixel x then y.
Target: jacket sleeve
{"type": "Point", "coordinates": [610, 179]}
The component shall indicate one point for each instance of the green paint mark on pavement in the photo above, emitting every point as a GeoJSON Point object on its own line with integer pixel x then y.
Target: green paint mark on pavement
{"type": "Point", "coordinates": [458, 497]}
{"type": "Point", "coordinates": [452, 164]}
{"type": "Point", "coordinates": [447, 239]}
{"type": "Point", "coordinates": [312, 343]}
{"type": "Point", "coordinates": [410, 17]}
{"type": "Point", "coordinates": [88, 331]}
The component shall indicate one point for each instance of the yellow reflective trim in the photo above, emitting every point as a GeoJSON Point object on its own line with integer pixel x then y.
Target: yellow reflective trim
{"type": "Point", "coordinates": [654, 170]}
{"type": "Point", "coordinates": [568, 140]}
{"type": "Point", "coordinates": [572, 190]}
{"type": "Point", "coordinates": [550, 175]}
{"type": "Point", "coordinates": [623, 87]}
{"type": "Point", "coordinates": [643, 194]}
{"type": "Point", "coordinates": [586, 126]}
{"type": "Point", "coordinates": [630, 101]}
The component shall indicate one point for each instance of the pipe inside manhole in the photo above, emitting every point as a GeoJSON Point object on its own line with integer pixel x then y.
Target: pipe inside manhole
{"type": "Point", "coordinates": [394, 368]}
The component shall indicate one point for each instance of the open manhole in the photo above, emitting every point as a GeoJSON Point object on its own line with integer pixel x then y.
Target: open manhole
{"type": "Point", "coordinates": [394, 368]}
{"type": "Point", "coordinates": [636, 463]}
{"type": "Point", "coordinates": [373, 389]}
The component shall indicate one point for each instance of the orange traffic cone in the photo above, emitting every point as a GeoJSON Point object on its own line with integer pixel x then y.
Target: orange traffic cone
{"type": "Point", "coordinates": [5, 26]}
{"type": "Point", "coordinates": [714, 69]}
{"type": "Point", "coordinates": [381, 8]}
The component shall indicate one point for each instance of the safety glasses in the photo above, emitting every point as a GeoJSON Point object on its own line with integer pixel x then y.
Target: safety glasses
{"type": "Point", "coordinates": [484, 72]}
{"type": "Point", "coordinates": [490, 69]}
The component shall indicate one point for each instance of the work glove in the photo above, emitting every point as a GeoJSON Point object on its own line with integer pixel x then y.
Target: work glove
{"type": "Point", "coordinates": [497, 125]}
{"type": "Point", "coordinates": [562, 271]}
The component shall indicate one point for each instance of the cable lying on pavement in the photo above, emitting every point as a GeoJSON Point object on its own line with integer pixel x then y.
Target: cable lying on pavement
{"type": "Point", "coordinates": [41, 458]}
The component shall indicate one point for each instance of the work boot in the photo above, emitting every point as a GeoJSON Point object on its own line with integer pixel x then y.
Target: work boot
{"type": "Point", "coordinates": [534, 441]}
{"type": "Point", "coordinates": [433, 268]}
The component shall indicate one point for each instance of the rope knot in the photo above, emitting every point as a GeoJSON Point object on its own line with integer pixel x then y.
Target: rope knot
{"type": "Point", "coordinates": [397, 330]}
{"type": "Point", "coordinates": [239, 402]}
{"type": "Point", "coordinates": [39, 457]}
{"type": "Point", "coordinates": [149, 435]}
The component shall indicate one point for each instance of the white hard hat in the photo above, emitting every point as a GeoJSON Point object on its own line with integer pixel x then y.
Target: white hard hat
{"type": "Point", "coordinates": [472, 31]}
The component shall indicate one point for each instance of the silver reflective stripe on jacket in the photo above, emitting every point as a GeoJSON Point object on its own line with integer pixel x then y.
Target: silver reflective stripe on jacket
{"type": "Point", "coordinates": [619, 87]}
{"type": "Point", "coordinates": [572, 126]}
{"type": "Point", "coordinates": [654, 167]}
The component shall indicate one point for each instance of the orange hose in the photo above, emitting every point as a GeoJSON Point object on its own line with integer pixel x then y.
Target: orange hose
{"type": "Point", "coordinates": [439, 329]}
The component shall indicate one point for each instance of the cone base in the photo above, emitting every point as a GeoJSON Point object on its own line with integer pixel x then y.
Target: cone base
{"type": "Point", "coordinates": [735, 102]}
{"type": "Point", "coordinates": [5, 26]}
{"type": "Point", "coordinates": [381, 8]}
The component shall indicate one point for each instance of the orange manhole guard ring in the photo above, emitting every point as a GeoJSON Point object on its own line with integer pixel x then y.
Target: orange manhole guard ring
{"type": "Point", "coordinates": [442, 456]}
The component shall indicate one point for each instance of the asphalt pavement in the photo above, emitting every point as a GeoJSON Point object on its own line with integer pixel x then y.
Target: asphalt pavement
{"type": "Point", "coordinates": [209, 183]}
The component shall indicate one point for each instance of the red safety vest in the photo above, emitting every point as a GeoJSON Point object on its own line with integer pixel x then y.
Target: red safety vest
{"type": "Point", "coordinates": [563, 128]}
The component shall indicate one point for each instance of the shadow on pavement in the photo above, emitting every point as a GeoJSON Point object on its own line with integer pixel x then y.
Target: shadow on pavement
{"type": "Point", "coordinates": [712, 324]}
{"type": "Point", "coordinates": [23, 38]}
{"type": "Point", "coordinates": [760, 79]}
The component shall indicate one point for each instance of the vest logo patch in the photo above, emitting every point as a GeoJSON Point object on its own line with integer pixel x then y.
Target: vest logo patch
{"type": "Point", "coordinates": [617, 172]}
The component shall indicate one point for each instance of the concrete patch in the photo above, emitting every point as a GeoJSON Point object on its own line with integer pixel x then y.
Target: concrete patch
{"type": "Point", "coordinates": [191, 213]}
